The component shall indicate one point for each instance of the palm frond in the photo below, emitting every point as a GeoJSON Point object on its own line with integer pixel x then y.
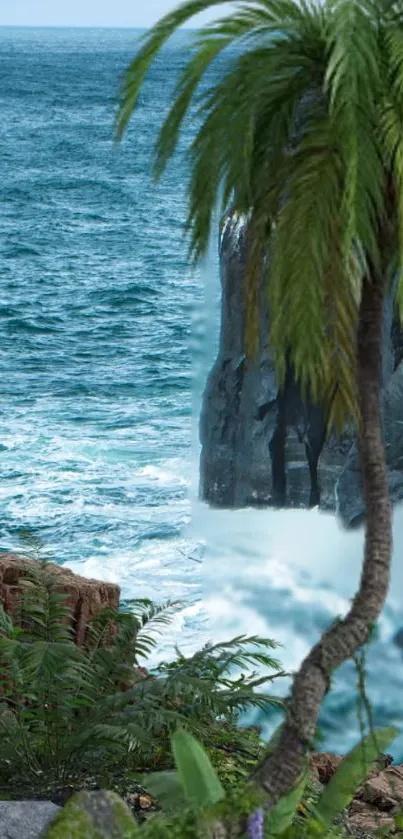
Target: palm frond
{"type": "Point", "coordinates": [301, 250]}
{"type": "Point", "coordinates": [354, 85]}
{"type": "Point", "coordinates": [269, 13]}
{"type": "Point", "coordinates": [208, 45]}
{"type": "Point", "coordinates": [255, 105]}
{"type": "Point", "coordinates": [151, 44]}
{"type": "Point", "coordinates": [391, 125]}
{"type": "Point", "coordinates": [342, 286]}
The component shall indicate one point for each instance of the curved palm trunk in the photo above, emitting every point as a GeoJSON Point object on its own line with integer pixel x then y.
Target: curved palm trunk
{"type": "Point", "coordinates": [282, 767]}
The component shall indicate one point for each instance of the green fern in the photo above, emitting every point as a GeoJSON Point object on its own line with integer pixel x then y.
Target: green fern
{"type": "Point", "coordinates": [68, 712]}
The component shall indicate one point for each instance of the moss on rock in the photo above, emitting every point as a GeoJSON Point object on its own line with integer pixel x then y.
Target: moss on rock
{"type": "Point", "coordinates": [93, 815]}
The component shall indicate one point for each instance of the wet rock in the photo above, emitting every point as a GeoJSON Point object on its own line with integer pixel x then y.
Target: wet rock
{"type": "Point", "coordinates": [85, 598]}
{"type": "Point", "coordinates": [263, 447]}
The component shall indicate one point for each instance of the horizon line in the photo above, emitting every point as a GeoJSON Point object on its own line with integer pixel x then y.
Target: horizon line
{"type": "Point", "coordinates": [80, 26]}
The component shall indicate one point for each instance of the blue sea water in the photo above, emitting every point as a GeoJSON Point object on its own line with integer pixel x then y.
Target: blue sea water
{"type": "Point", "coordinates": [96, 303]}
{"type": "Point", "coordinates": [106, 335]}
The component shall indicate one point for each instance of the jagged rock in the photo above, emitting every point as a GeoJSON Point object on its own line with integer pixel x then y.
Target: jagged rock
{"type": "Point", "coordinates": [375, 801]}
{"type": "Point", "coordinates": [86, 598]}
{"type": "Point", "coordinates": [93, 815]}
{"type": "Point", "coordinates": [364, 819]}
{"type": "Point", "coordinates": [25, 819]}
{"type": "Point", "coordinates": [385, 790]}
{"type": "Point", "coordinates": [324, 764]}
{"type": "Point", "coordinates": [261, 447]}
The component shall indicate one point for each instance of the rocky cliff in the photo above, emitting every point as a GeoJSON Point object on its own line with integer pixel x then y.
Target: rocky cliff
{"type": "Point", "coordinates": [263, 447]}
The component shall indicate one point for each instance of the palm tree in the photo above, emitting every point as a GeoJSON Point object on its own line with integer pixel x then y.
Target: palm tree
{"type": "Point", "coordinates": [303, 134]}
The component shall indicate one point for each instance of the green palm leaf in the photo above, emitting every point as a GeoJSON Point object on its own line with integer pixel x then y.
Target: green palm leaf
{"type": "Point", "coordinates": [152, 42]}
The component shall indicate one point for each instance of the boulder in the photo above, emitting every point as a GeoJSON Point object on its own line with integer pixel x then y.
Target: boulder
{"type": "Point", "coordinates": [25, 819]}
{"type": "Point", "coordinates": [93, 815]}
{"type": "Point", "coordinates": [85, 598]}
{"type": "Point", "coordinates": [264, 447]}
{"type": "Point", "coordinates": [385, 790]}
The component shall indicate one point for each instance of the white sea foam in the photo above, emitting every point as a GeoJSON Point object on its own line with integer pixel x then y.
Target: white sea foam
{"type": "Point", "coordinates": [306, 555]}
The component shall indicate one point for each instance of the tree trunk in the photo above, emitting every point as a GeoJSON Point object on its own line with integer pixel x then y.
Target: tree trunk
{"type": "Point", "coordinates": [283, 765]}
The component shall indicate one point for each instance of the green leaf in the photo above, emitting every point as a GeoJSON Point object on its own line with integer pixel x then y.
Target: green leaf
{"type": "Point", "coordinates": [281, 816]}
{"type": "Point", "coordinates": [197, 775]}
{"type": "Point", "coordinates": [351, 772]}
{"type": "Point", "coordinates": [166, 788]}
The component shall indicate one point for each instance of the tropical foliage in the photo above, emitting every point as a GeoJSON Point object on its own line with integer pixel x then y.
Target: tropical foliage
{"type": "Point", "coordinates": [301, 135]}
{"type": "Point", "coordinates": [68, 713]}
{"type": "Point", "coordinates": [196, 806]}
{"type": "Point", "coordinates": [302, 131]}
{"type": "Point", "coordinates": [196, 782]}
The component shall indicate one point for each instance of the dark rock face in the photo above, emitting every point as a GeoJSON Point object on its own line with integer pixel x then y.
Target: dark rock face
{"type": "Point", "coordinates": [262, 447]}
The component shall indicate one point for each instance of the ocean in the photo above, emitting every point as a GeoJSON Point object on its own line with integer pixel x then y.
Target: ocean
{"type": "Point", "coordinates": [107, 335]}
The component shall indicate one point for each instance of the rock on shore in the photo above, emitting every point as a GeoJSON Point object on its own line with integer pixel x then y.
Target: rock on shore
{"type": "Point", "coordinates": [261, 447]}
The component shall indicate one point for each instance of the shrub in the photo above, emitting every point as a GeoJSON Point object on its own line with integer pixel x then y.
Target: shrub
{"type": "Point", "coordinates": [197, 806]}
{"type": "Point", "coordinates": [225, 816]}
{"type": "Point", "coordinates": [69, 714]}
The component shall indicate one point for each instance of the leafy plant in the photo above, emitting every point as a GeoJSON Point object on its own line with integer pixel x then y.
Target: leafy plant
{"type": "Point", "coordinates": [69, 714]}
{"type": "Point", "coordinates": [299, 138]}
{"type": "Point", "coordinates": [196, 782]}
{"type": "Point", "coordinates": [197, 776]}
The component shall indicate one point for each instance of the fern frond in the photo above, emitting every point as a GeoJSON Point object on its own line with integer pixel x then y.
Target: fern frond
{"type": "Point", "coordinates": [43, 613]}
{"type": "Point", "coordinates": [6, 624]}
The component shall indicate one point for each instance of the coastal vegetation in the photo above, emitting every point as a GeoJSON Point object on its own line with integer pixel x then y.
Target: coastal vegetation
{"type": "Point", "coordinates": [92, 716]}
{"type": "Point", "coordinates": [166, 743]}
{"type": "Point", "coordinates": [302, 134]}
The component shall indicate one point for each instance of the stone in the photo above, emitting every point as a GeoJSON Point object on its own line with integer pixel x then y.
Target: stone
{"type": "Point", "coordinates": [263, 447]}
{"type": "Point", "coordinates": [93, 815]}
{"type": "Point", "coordinates": [385, 790]}
{"type": "Point", "coordinates": [86, 598]}
{"type": "Point", "coordinates": [25, 819]}
{"type": "Point", "coordinates": [376, 800]}
{"type": "Point", "coordinates": [323, 766]}
{"type": "Point", "coordinates": [145, 802]}
{"type": "Point", "coordinates": [366, 818]}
